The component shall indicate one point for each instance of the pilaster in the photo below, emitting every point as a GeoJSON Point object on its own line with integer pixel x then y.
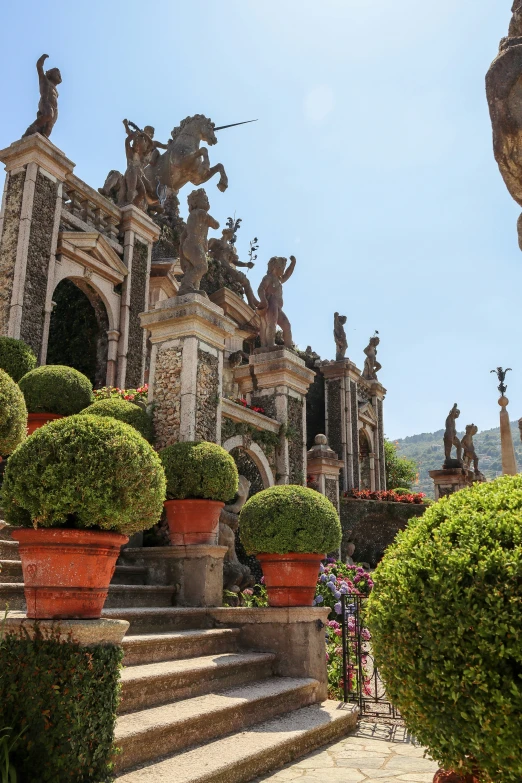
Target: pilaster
{"type": "Point", "coordinates": [324, 466]}
{"type": "Point", "coordinates": [341, 380]}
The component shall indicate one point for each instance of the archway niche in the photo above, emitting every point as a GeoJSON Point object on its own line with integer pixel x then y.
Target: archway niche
{"type": "Point", "coordinates": [78, 330]}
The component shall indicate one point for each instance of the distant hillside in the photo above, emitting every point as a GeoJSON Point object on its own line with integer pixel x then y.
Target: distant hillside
{"type": "Point", "coordinates": [428, 452]}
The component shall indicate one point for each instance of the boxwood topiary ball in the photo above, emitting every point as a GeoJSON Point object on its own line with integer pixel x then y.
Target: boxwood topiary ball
{"type": "Point", "coordinates": [289, 518]}
{"type": "Point", "coordinates": [16, 357]}
{"type": "Point", "coordinates": [13, 415]}
{"type": "Point", "coordinates": [124, 411]}
{"type": "Point", "coordinates": [199, 470]}
{"type": "Point", "coordinates": [84, 472]}
{"type": "Point", "coordinates": [56, 389]}
{"type": "Point", "coordinates": [445, 617]}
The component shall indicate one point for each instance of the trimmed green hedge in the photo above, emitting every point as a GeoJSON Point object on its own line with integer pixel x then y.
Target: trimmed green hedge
{"type": "Point", "coordinates": [199, 470]}
{"type": "Point", "coordinates": [83, 472]}
{"type": "Point", "coordinates": [13, 415]}
{"type": "Point", "coordinates": [125, 411]}
{"type": "Point", "coordinates": [16, 357]}
{"type": "Point", "coordinates": [289, 518]}
{"type": "Point", "coordinates": [445, 617]}
{"type": "Point", "coordinates": [64, 699]}
{"type": "Point", "coordinates": [55, 388]}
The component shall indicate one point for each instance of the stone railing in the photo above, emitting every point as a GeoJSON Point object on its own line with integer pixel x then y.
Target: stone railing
{"type": "Point", "coordinates": [239, 414]}
{"type": "Point", "coordinates": [86, 209]}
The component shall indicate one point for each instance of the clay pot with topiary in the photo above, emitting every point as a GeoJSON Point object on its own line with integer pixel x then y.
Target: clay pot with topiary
{"type": "Point", "coordinates": [16, 357]}
{"type": "Point", "coordinates": [201, 478]}
{"type": "Point", "coordinates": [125, 411]}
{"type": "Point", "coordinates": [444, 616]}
{"type": "Point", "coordinates": [76, 489]}
{"type": "Point", "coordinates": [54, 391]}
{"type": "Point", "coordinates": [290, 529]}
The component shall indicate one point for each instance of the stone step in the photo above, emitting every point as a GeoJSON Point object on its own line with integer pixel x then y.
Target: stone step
{"type": "Point", "coordinates": [259, 749]}
{"type": "Point", "coordinates": [157, 647]}
{"type": "Point", "coordinates": [119, 596]}
{"type": "Point", "coordinates": [129, 575]}
{"type": "Point", "coordinates": [11, 571]}
{"type": "Point", "coordinates": [154, 684]}
{"type": "Point", "coordinates": [161, 620]}
{"type": "Point", "coordinates": [5, 530]}
{"type": "Point", "coordinates": [9, 550]}
{"type": "Point", "coordinates": [153, 733]}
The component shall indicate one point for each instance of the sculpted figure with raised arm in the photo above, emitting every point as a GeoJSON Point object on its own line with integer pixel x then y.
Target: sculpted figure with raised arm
{"type": "Point", "coordinates": [270, 309]}
{"type": "Point", "coordinates": [48, 105]}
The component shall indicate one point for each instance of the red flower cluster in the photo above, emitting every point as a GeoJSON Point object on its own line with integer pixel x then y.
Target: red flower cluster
{"type": "Point", "coordinates": [255, 408]}
{"type": "Point", "coordinates": [388, 495]}
{"type": "Point", "coordinates": [133, 395]}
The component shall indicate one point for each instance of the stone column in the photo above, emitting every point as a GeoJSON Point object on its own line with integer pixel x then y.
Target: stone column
{"type": "Point", "coordinates": [29, 228]}
{"type": "Point", "coordinates": [342, 432]}
{"type": "Point", "coordinates": [139, 234]}
{"type": "Point", "coordinates": [509, 460]}
{"type": "Point", "coordinates": [113, 336]}
{"type": "Point", "coordinates": [186, 368]}
{"type": "Point", "coordinates": [278, 382]}
{"type": "Point", "coordinates": [323, 465]}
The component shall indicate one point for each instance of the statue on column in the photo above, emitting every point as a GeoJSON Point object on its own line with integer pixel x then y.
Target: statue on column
{"type": "Point", "coordinates": [450, 437]}
{"type": "Point", "coordinates": [270, 309]}
{"type": "Point", "coordinates": [236, 576]}
{"type": "Point", "coordinates": [341, 343]}
{"type": "Point", "coordinates": [194, 243]}
{"type": "Point", "coordinates": [371, 365]}
{"type": "Point", "coordinates": [48, 105]}
{"type": "Point", "coordinates": [223, 251]}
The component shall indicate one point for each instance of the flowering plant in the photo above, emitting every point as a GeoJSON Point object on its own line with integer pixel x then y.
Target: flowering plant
{"type": "Point", "coordinates": [387, 495]}
{"type": "Point", "coordinates": [337, 579]}
{"type": "Point", "coordinates": [132, 395]}
{"type": "Point", "coordinates": [256, 408]}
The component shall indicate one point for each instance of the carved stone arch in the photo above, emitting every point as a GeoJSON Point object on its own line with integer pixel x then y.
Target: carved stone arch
{"type": "Point", "coordinates": [256, 454]}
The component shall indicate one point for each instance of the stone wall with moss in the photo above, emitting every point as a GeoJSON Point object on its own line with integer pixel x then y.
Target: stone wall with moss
{"type": "Point", "coordinates": [265, 401]}
{"type": "Point", "coordinates": [207, 396]}
{"type": "Point", "coordinates": [335, 417]}
{"type": "Point", "coordinates": [9, 239]}
{"type": "Point", "coordinates": [382, 458]}
{"type": "Point", "coordinates": [332, 491]}
{"type": "Point", "coordinates": [355, 433]}
{"type": "Point", "coordinates": [372, 526]}
{"type": "Point", "coordinates": [296, 441]}
{"type": "Point", "coordinates": [267, 441]}
{"type": "Point", "coordinates": [138, 304]}
{"type": "Point", "coordinates": [167, 396]}
{"type": "Point", "coordinates": [38, 257]}
{"type": "Point", "coordinates": [248, 468]}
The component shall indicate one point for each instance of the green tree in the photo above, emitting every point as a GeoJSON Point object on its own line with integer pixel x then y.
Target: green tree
{"type": "Point", "coordinates": [400, 471]}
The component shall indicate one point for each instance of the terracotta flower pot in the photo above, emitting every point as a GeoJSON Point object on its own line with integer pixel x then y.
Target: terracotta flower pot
{"type": "Point", "coordinates": [37, 420]}
{"type": "Point", "coordinates": [193, 521]}
{"type": "Point", "coordinates": [290, 579]}
{"type": "Point", "coordinates": [67, 572]}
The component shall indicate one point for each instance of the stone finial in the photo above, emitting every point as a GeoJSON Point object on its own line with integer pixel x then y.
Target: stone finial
{"type": "Point", "coordinates": [47, 113]}
{"type": "Point", "coordinates": [193, 242]}
{"type": "Point", "coordinates": [451, 439]}
{"type": "Point", "coordinates": [321, 440]}
{"type": "Point", "coordinates": [270, 309]}
{"type": "Point", "coordinates": [341, 343]}
{"type": "Point", "coordinates": [371, 365]}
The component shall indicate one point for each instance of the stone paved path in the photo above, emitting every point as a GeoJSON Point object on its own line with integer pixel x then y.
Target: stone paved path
{"type": "Point", "coordinates": [375, 753]}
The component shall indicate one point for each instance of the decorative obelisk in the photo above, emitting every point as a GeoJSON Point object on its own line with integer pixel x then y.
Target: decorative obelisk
{"type": "Point", "coordinates": [509, 460]}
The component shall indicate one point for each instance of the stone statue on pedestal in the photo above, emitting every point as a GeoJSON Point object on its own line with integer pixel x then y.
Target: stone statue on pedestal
{"type": "Point", "coordinates": [194, 243]}
{"type": "Point", "coordinates": [470, 455]}
{"type": "Point", "coordinates": [270, 309]}
{"type": "Point", "coordinates": [341, 343]}
{"type": "Point", "coordinates": [236, 576]}
{"type": "Point", "coordinates": [48, 105]}
{"type": "Point", "coordinates": [223, 251]}
{"type": "Point", "coordinates": [450, 438]}
{"type": "Point", "coordinates": [371, 365]}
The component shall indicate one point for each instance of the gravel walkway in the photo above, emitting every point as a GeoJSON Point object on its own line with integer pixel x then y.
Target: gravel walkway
{"type": "Point", "coordinates": [375, 753]}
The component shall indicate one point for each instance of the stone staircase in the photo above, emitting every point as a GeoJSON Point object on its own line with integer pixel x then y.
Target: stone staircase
{"type": "Point", "coordinates": [196, 706]}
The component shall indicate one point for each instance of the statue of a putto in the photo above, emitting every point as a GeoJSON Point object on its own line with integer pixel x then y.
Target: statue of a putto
{"type": "Point", "coordinates": [193, 244]}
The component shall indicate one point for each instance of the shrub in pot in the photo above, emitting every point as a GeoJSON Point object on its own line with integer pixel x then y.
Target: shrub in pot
{"type": "Point", "coordinates": [124, 411]}
{"type": "Point", "coordinates": [446, 630]}
{"type": "Point", "coordinates": [54, 391]}
{"type": "Point", "coordinates": [13, 415]}
{"type": "Point", "coordinates": [78, 487]}
{"type": "Point", "coordinates": [201, 478]}
{"type": "Point", "coordinates": [290, 529]}
{"type": "Point", "coordinates": [16, 357]}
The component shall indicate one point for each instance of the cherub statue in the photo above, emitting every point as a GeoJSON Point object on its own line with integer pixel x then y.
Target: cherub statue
{"type": "Point", "coordinates": [270, 309]}
{"type": "Point", "coordinates": [223, 251]}
{"type": "Point", "coordinates": [371, 365]}
{"type": "Point", "coordinates": [236, 576]}
{"type": "Point", "coordinates": [450, 435]}
{"type": "Point", "coordinates": [468, 448]}
{"type": "Point", "coordinates": [48, 105]}
{"type": "Point", "coordinates": [341, 343]}
{"type": "Point", "coordinates": [194, 244]}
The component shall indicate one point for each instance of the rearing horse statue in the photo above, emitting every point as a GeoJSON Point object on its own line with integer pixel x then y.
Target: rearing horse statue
{"type": "Point", "coordinates": [183, 161]}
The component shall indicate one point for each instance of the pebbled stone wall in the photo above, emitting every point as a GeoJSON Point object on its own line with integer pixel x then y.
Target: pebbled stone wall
{"type": "Point", "coordinates": [332, 491]}
{"type": "Point", "coordinates": [296, 441]}
{"type": "Point", "coordinates": [335, 417]}
{"type": "Point", "coordinates": [382, 465]}
{"type": "Point", "coordinates": [9, 240]}
{"type": "Point", "coordinates": [138, 305]}
{"type": "Point", "coordinates": [167, 396]}
{"type": "Point", "coordinates": [207, 396]}
{"type": "Point", "coordinates": [267, 402]}
{"type": "Point", "coordinates": [355, 433]}
{"type": "Point", "coordinates": [248, 468]}
{"type": "Point", "coordinates": [38, 256]}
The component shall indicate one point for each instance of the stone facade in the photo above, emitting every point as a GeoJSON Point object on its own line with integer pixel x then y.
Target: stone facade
{"type": "Point", "coordinates": [208, 393]}
{"type": "Point", "coordinates": [382, 460]}
{"type": "Point", "coordinates": [138, 303]}
{"type": "Point", "coordinates": [335, 416]}
{"type": "Point", "coordinates": [167, 410]}
{"type": "Point", "coordinates": [332, 491]}
{"type": "Point", "coordinates": [296, 438]}
{"type": "Point", "coordinates": [355, 435]}
{"type": "Point", "coordinates": [9, 242]}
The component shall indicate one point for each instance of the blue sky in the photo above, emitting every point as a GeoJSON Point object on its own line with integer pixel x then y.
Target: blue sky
{"type": "Point", "coordinates": [371, 162]}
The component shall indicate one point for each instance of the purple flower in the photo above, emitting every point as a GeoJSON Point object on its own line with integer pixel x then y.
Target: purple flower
{"type": "Point", "coordinates": [322, 578]}
{"type": "Point", "coordinates": [338, 608]}
{"type": "Point", "coordinates": [331, 577]}
{"type": "Point", "coordinates": [319, 599]}
{"type": "Point", "coordinates": [321, 568]}
{"type": "Point", "coordinates": [337, 595]}
{"type": "Point", "coordinates": [344, 588]}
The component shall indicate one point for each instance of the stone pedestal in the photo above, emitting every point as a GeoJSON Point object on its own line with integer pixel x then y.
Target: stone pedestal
{"type": "Point", "coordinates": [278, 382]}
{"type": "Point", "coordinates": [450, 480]}
{"type": "Point", "coordinates": [324, 467]}
{"type": "Point", "coordinates": [186, 368]}
{"type": "Point", "coordinates": [196, 571]}
{"type": "Point", "coordinates": [354, 416]}
{"type": "Point", "coordinates": [86, 633]}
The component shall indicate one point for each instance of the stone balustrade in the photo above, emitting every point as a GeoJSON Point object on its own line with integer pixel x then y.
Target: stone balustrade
{"type": "Point", "coordinates": [84, 204]}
